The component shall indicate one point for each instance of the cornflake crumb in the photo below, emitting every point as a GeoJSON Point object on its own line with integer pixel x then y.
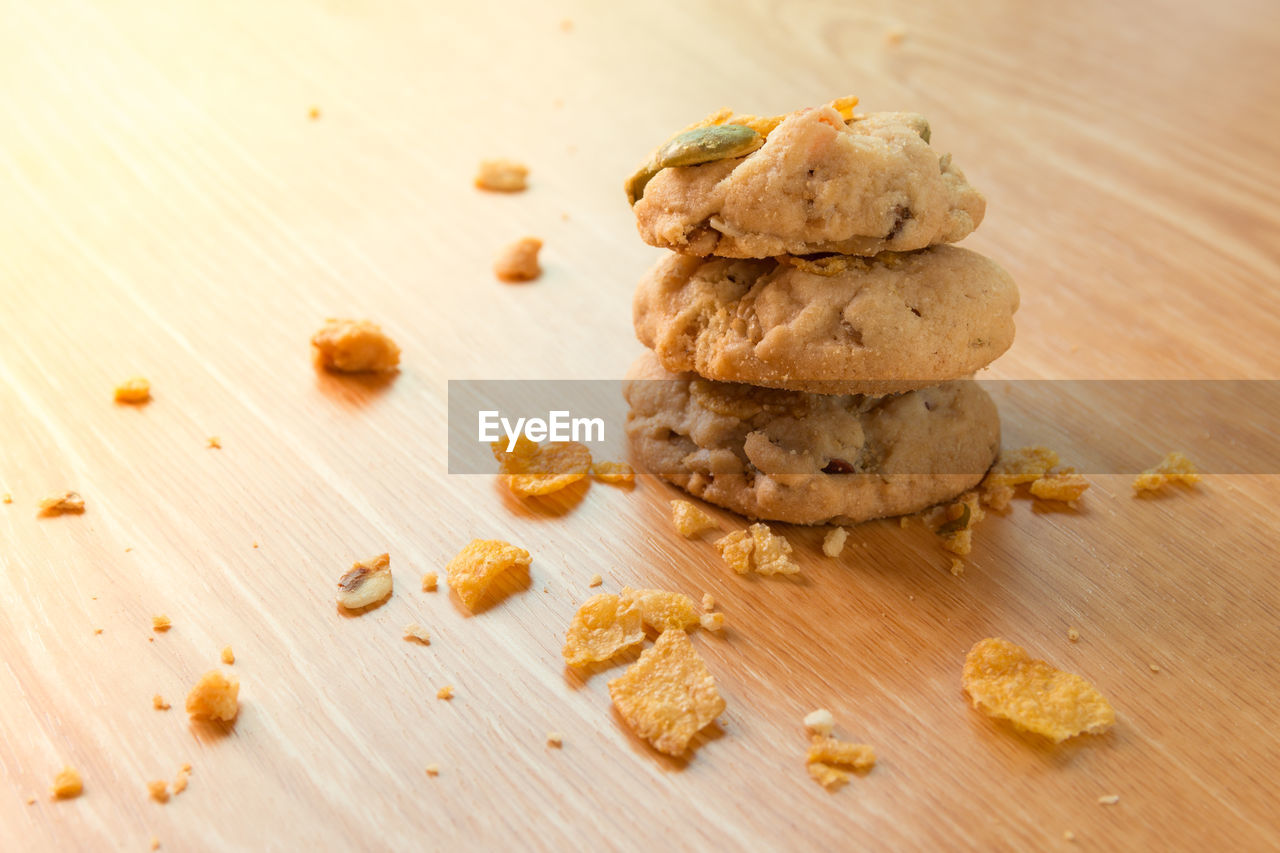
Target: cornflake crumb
{"type": "Point", "coordinates": [1155, 667]}
{"type": "Point", "coordinates": [135, 390]}
{"type": "Point", "coordinates": [595, 581]}
{"type": "Point", "coordinates": [833, 542]}
{"type": "Point", "coordinates": [445, 693]}
{"type": "Point", "coordinates": [712, 621]}
{"type": "Point", "coordinates": [216, 696]}
{"type": "Point", "coordinates": [158, 790]}
{"type": "Point", "coordinates": [157, 702]}
{"type": "Point", "coordinates": [820, 722]}
{"type": "Point", "coordinates": [1073, 634]}
{"type": "Point", "coordinates": [619, 473]}
{"type": "Point", "coordinates": [518, 261]}
{"type": "Point", "coordinates": [471, 573]}
{"type": "Point", "coordinates": [1174, 468]}
{"type": "Point", "coordinates": [1060, 484]}
{"type": "Point", "coordinates": [367, 582]}
{"type": "Point", "coordinates": [215, 443]}
{"type": "Point", "coordinates": [67, 784]}
{"type": "Point", "coordinates": [161, 623]}
{"type": "Point", "coordinates": [829, 750]}
{"type": "Point", "coordinates": [1024, 465]}
{"type": "Point", "coordinates": [228, 656]}
{"type": "Point", "coordinates": [667, 696]}
{"type": "Point", "coordinates": [63, 504]}
{"type": "Point", "coordinates": [957, 566]}
{"type": "Point", "coordinates": [1109, 800]}
{"type": "Point", "coordinates": [757, 549]}
{"type": "Point", "coordinates": [530, 469]}
{"type": "Point", "coordinates": [183, 778]}
{"type": "Point", "coordinates": [430, 580]}
{"type": "Point", "coordinates": [504, 176]}
{"type": "Point", "coordinates": [555, 740]}
{"type": "Point", "coordinates": [1003, 681]}
{"type": "Point", "coordinates": [604, 625]}
{"type": "Point", "coordinates": [708, 601]}
{"type": "Point", "coordinates": [413, 632]}
{"type": "Point", "coordinates": [433, 770]}
{"type": "Point", "coordinates": [354, 346]}
{"type": "Point", "coordinates": [689, 520]}
{"type": "Point", "coordinates": [825, 775]}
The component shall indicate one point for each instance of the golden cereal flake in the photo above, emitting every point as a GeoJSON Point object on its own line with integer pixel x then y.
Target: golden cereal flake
{"type": "Point", "coordinates": [833, 542]}
{"type": "Point", "coordinates": [1061, 484]}
{"type": "Point", "coordinates": [667, 696]}
{"type": "Point", "coordinates": [161, 623]}
{"type": "Point", "coordinates": [689, 520]}
{"type": "Point", "coordinates": [135, 390]}
{"type": "Point", "coordinates": [708, 601]}
{"type": "Point", "coordinates": [67, 784]}
{"type": "Point", "coordinates": [504, 176]}
{"type": "Point", "coordinates": [355, 346]}
{"type": "Point", "coordinates": [757, 549]}
{"type": "Point", "coordinates": [660, 609]}
{"type": "Point", "coordinates": [430, 580]}
{"type": "Point", "coordinates": [518, 261]}
{"type": "Point", "coordinates": [366, 583]}
{"type": "Point", "coordinates": [158, 790]}
{"type": "Point", "coordinates": [531, 469]}
{"type": "Point", "coordinates": [604, 625]}
{"type": "Point", "coordinates": [1174, 468]}
{"type": "Point", "coordinates": [216, 696]}
{"type": "Point", "coordinates": [619, 473]}
{"type": "Point", "coordinates": [413, 632]}
{"type": "Point", "coordinates": [157, 702]}
{"type": "Point", "coordinates": [445, 693]}
{"type": "Point", "coordinates": [825, 775]}
{"type": "Point", "coordinates": [478, 564]}
{"type": "Point", "coordinates": [63, 504]}
{"type": "Point", "coordinates": [1003, 681]}
{"type": "Point", "coordinates": [712, 621]}
{"type": "Point", "coordinates": [227, 655]}
{"type": "Point", "coordinates": [828, 750]}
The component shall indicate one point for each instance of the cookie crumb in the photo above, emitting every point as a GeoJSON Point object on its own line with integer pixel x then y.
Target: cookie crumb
{"type": "Point", "coordinates": [433, 770]}
{"type": "Point", "coordinates": [157, 702]}
{"type": "Point", "coordinates": [1073, 634]}
{"type": "Point", "coordinates": [216, 696]}
{"type": "Point", "coordinates": [181, 781]}
{"type": "Point", "coordinates": [67, 784]}
{"type": "Point", "coordinates": [134, 391]}
{"type": "Point", "coordinates": [689, 520]}
{"type": "Point", "coordinates": [894, 36]}
{"type": "Point", "coordinates": [1060, 484]}
{"type": "Point", "coordinates": [504, 176]}
{"type": "Point", "coordinates": [829, 750]}
{"type": "Point", "coordinates": [1109, 800]}
{"type": "Point", "coordinates": [1068, 835]}
{"type": "Point", "coordinates": [667, 696]}
{"type": "Point", "coordinates": [904, 521]}
{"type": "Point", "coordinates": [476, 566]}
{"type": "Point", "coordinates": [618, 473]}
{"type": "Point", "coordinates": [354, 346]}
{"type": "Point", "coordinates": [1174, 468]}
{"type": "Point", "coordinates": [1154, 667]}
{"type": "Point", "coordinates": [1024, 465]}
{"type": "Point", "coordinates": [161, 623]}
{"type": "Point", "coordinates": [97, 631]}
{"type": "Point", "coordinates": [445, 693]}
{"type": "Point", "coordinates": [155, 843]}
{"type": "Point", "coordinates": [554, 740]}
{"type": "Point", "coordinates": [214, 442]}
{"type": "Point", "coordinates": [158, 790]}
{"type": "Point", "coordinates": [957, 566]}
{"type": "Point", "coordinates": [825, 775]}
{"type": "Point", "coordinates": [227, 655]}
{"type": "Point", "coordinates": [63, 504]}
{"type": "Point", "coordinates": [820, 722]}
{"type": "Point", "coordinates": [708, 601]}
{"type": "Point", "coordinates": [566, 26]}
{"type": "Point", "coordinates": [712, 621]}
{"type": "Point", "coordinates": [595, 581]}
{"type": "Point", "coordinates": [757, 549]}
{"type": "Point", "coordinates": [7, 498]}
{"type": "Point", "coordinates": [430, 581]}
{"type": "Point", "coordinates": [413, 632]}
{"type": "Point", "coordinates": [366, 583]}
{"type": "Point", "coordinates": [518, 261]}
{"type": "Point", "coordinates": [833, 542]}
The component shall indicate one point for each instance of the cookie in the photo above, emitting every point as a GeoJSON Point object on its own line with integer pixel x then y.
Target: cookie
{"type": "Point", "coordinates": [808, 458]}
{"type": "Point", "coordinates": [817, 184]}
{"type": "Point", "coordinates": [840, 325]}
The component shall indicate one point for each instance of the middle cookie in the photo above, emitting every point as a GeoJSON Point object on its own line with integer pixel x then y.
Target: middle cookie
{"type": "Point", "coordinates": [833, 325]}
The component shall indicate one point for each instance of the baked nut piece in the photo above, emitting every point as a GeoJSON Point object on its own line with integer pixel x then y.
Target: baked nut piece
{"type": "Point", "coordinates": [839, 325]}
{"type": "Point", "coordinates": [808, 458]}
{"type": "Point", "coordinates": [822, 181]}
{"type": "Point", "coordinates": [355, 346]}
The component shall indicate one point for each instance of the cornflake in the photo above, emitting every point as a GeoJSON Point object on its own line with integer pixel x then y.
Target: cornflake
{"type": "Point", "coordinates": [67, 784]}
{"type": "Point", "coordinates": [1025, 465]}
{"type": "Point", "coordinates": [367, 582]}
{"type": "Point", "coordinates": [531, 469]}
{"type": "Point", "coordinates": [1060, 484]}
{"type": "Point", "coordinates": [667, 696]}
{"type": "Point", "coordinates": [689, 521]}
{"type": "Point", "coordinates": [477, 565]}
{"type": "Point", "coordinates": [660, 609]}
{"type": "Point", "coordinates": [1003, 681]}
{"type": "Point", "coordinates": [757, 549]}
{"type": "Point", "coordinates": [1174, 468]}
{"type": "Point", "coordinates": [505, 176]}
{"type": "Point", "coordinates": [135, 390]}
{"type": "Point", "coordinates": [518, 261]}
{"type": "Point", "coordinates": [228, 656]}
{"type": "Point", "coordinates": [158, 790]}
{"type": "Point", "coordinates": [829, 750]}
{"type": "Point", "coordinates": [445, 693]}
{"type": "Point", "coordinates": [415, 632]}
{"type": "Point", "coordinates": [613, 472]}
{"type": "Point", "coordinates": [712, 621]}
{"type": "Point", "coordinates": [63, 504]}
{"type": "Point", "coordinates": [825, 775]}
{"type": "Point", "coordinates": [161, 623]}
{"type": "Point", "coordinates": [708, 601]}
{"type": "Point", "coordinates": [182, 779]}
{"type": "Point", "coordinates": [833, 542]}
{"type": "Point", "coordinates": [604, 625]}
{"type": "Point", "coordinates": [355, 346]}
{"type": "Point", "coordinates": [216, 696]}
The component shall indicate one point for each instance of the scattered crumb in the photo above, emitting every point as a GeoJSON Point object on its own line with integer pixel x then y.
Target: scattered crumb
{"type": "Point", "coordinates": [904, 521]}
{"type": "Point", "coordinates": [954, 523]}
{"type": "Point", "coordinates": [667, 696]}
{"type": "Point", "coordinates": [155, 843]}
{"type": "Point", "coordinates": [158, 790]}
{"type": "Point", "coordinates": [97, 631]}
{"type": "Point", "coordinates": [8, 498]}
{"type": "Point", "coordinates": [833, 542]}
{"type": "Point", "coordinates": [1060, 484]}
{"type": "Point", "coordinates": [161, 623]}
{"type": "Point", "coordinates": [433, 770]}
{"type": "Point", "coordinates": [518, 261]}
{"type": "Point", "coordinates": [708, 601]}
{"type": "Point", "coordinates": [365, 583]}
{"type": "Point", "coordinates": [255, 544]}
{"type": "Point", "coordinates": [820, 722]}
{"type": "Point", "coordinates": [555, 740]}
{"type": "Point", "coordinates": [504, 176]}
{"type": "Point", "coordinates": [604, 625]}
{"type": "Point", "coordinates": [430, 580]}
{"type": "Point", "coordinates": [1068, 835]}
{"type": "Point", "coordinates": [1024, 465]}
{"type": "Point", "coordinates": [957, 566]}
{"type": "Point", "coordinates": [228, 656]}
{"type": "Point", "coordinates": [566, 26]}
{"type": "Point", "coordinates": [1003, 681]}
{"type": "Point", "coordinates": [1109, 800]}
{"type": "Point", "coordinates": [1154, 667]}
{"type": "Point", "coordinates": [1073, 634]}
{"type": "Point", "coordinates": [595, 581]}
{"type": "Point", "coordinates": [825, 775]}
{"type": "Point", "coordinates": [157, 702]}
{"type": "Point", "coordinates": [894, 36]}
{"type": "Point", "coordinates": [530, 469]}
{"type": "Point", "coordinates": [445, 693]}
{"type": "Point", "coordinates": [31, 801]}
{"type": "Point", "coordinates": [313, 113]}
{"type": "Point", "coordinates": [689, 520]}
{"type": "Point", "coordinates": [67, 784]}
{"type": "Point", "coordinates": [1174, 468]}
{"type": "Point", "coordinates": [757, 549]}
{"type": "Point", "coordinates": [619, 473]}
{"type": "Point", "coordinates": [712, 621]}
{"type": "Point", "coordinates": [216, 696]}
{"type": "Point", "coordinates": [214, 442]}
{"type": "Point", "coordinates": [135, 391]}
{"type": "Point", "coordinates": [828, 750]}
{"type": "Point", "coordinates": [354, 346]}
{"type": "Point", "coordinates": [478, 564]}
{"type": "Point", "coordinates": [63, 504]}
{"type": "Point", "coordinates": [181, 781]}
{"type": "Point", "coordinates": [413, 632]}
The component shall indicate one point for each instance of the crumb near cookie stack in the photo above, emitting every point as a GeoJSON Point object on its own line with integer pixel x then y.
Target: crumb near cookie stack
{"type": "Point", "coordinates": [811, 334]}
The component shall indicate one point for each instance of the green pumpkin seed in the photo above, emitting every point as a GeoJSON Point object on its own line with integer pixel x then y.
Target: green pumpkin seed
{"type": "Point", "coordinates": [956, 524]}
{"type": "Point", "coordinates": [920, 125]}
{"type": "Point", "coordinates": [693, 147]}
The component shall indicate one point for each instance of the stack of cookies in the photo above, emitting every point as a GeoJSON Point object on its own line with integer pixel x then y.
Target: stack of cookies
{"type": "Point", "coordinates": [812, 335]}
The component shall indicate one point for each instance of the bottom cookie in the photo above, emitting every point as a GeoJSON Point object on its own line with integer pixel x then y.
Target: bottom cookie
{"type": "Point", "coordinates": [809, 458]}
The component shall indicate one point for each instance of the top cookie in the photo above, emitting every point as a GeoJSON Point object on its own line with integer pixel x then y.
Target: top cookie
{"type": "Point", "coordinates": [820, 182]}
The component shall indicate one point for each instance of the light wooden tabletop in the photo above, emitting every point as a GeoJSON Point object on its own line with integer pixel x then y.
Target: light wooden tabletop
{"type": "Point", "coordinates": [169, 209]}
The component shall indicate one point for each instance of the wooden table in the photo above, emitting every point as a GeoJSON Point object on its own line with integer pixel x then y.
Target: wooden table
{"type": "Point", "coordinates": [171, 210]}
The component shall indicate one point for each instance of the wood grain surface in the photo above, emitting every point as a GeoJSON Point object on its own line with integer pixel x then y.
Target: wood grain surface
{"type": "Point", "coordinates": [170, 210]}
